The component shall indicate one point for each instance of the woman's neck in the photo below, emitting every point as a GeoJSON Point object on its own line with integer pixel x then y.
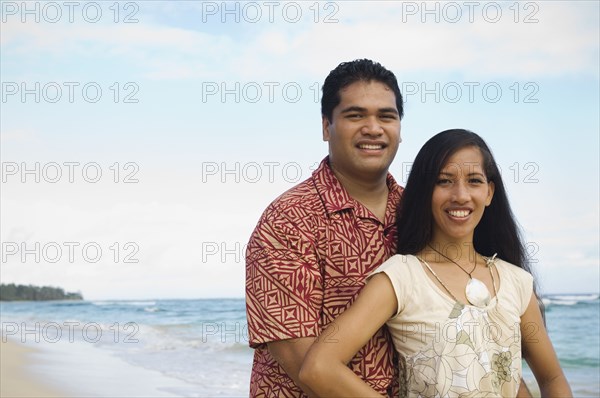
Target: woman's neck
{"type": "Point", "coordinates": [460, 250]}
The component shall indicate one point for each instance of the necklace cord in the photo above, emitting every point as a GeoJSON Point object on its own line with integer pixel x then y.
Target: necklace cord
{"type": "Point", "coordinates": [489, 262]}
{"type": "Point", "coordinates": [457, 264]}
{"type": "Point", "coordinates": [438, 279]}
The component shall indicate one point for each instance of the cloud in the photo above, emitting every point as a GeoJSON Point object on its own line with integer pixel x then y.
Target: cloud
{"type": "Point", "coordinates": [191, 232]}
{"type": "Point", "coordinates": [184, 240]}
{"type": "Point", "coordinates": [20, 136]}
{"type": "Point", "coordinates": [563, 41]}
{"type": "Point", "coordinates": [155, 51]}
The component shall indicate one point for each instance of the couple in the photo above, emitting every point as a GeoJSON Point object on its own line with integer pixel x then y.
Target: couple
{"type": "Point", "coordinates": [459, 314]}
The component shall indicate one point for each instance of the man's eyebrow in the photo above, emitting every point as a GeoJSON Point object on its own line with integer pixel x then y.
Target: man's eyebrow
{"type": "Point", "coordinates": [353, 109]}
{"type": "Point", "coordinates": [361, 109]}
{"type": "Point", "coordinates": [388, 110]}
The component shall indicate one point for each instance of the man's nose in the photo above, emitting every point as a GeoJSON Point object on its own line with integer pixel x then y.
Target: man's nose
{"type": "Point", "coordinates": [372, 126]}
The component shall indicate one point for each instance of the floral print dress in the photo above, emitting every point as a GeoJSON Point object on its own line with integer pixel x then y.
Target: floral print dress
{"type": "Point", "coordinates": [449, 349]}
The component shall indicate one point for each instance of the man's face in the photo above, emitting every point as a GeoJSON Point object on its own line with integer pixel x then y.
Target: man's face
{"type": "Point", "coordinates": [364, 132]}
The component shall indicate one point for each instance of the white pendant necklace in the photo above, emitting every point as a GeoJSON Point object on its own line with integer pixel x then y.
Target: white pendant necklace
{"type": "Point", "coordinates": [476, 291]}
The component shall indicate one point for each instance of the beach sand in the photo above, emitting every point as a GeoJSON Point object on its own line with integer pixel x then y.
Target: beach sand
{"type": "Point", "coordinates": [57, 370]}
{"type": "Point", "coordinates": [16, 380]}
{"type": "Point", "coordinates": [27, 371]}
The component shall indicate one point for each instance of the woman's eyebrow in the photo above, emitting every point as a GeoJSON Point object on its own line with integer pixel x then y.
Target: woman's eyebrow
{"type": "Point", "coordinates": [476, 173]}
{"type": "Point", "coordinates": [449, 174]}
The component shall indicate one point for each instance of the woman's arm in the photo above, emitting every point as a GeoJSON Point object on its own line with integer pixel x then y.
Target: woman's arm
{"type": "Point", "coordinates": [324, 368]}
{"type": "Point", "coordinates": [540, 355]}
{"type": "Point", "coordinates": [523, 390]}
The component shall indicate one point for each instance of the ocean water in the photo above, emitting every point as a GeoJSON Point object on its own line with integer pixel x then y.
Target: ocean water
{"type": "Point", "coordinates": [573, 323]}
{"type": "Point", "coordinates": [199, 348]}
{"type": "Point", "coordinates": [203, 344]}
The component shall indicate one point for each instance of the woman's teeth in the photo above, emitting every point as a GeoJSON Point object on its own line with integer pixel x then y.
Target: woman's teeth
{"type": "Point", "coordinates": [458, 213]}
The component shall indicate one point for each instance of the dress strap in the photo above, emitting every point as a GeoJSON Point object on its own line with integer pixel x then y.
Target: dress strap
{"type": "Point", "coordinates": [437, 277]}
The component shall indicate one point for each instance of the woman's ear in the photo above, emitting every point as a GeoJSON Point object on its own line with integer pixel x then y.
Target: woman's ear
{"type": "Point", "coordinates": [491, 188]}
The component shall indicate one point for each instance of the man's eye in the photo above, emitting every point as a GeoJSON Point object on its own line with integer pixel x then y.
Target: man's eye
{"type": "Point", "coordinates": [353, 116]}
{"type": "Point", "coordinates": [389, 117]}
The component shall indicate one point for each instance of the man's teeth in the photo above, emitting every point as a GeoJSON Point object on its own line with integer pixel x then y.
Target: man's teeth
{"type": "Point", "coordinates": [458, 213]}
{"type": "Point", "coordinates": [370, 146]}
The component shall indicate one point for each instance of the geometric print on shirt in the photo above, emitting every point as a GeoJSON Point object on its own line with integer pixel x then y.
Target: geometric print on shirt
{"type": "Point", "coordinates": [306, 261]}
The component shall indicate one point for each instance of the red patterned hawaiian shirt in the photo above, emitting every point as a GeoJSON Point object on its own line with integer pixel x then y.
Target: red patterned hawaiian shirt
{"type": "Point", "coordinates": [306, 262]}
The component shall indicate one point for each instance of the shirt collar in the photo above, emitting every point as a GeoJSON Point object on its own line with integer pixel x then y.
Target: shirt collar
{"type": "Point", "coordinates": [336, 198]}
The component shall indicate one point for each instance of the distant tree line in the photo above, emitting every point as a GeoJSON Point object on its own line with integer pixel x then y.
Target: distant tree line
{"type": "Point", "coordinates": [12, 292]}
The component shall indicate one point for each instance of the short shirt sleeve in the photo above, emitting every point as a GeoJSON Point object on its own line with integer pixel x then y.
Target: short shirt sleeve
{"type": "Point", "coordinates": [284, 292]}
{"type": "Point", "coordinates": [395, 268]}
{"type": "Point", "coordinates": [520, 286]}
{"type": "Point", "coordinates": [526, 288]}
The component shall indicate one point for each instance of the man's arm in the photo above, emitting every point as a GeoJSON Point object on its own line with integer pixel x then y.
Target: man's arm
{"type": "Point", "coordinates": [290, 354]}
{"type": "Point", "coordinates": [325, 367]}
{"type": "Point", "coordinates": [283, 277]}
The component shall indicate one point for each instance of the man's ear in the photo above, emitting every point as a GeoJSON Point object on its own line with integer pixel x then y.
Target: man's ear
{"type": "Point", "coordinates": [326, 127]}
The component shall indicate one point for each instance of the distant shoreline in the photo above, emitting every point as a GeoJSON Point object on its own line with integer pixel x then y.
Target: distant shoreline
{"type": "Point", "coordinates": [12, 292]}
{"type": "Point", "coordinates": [44, 300]}
{"type": "Point", "coordinates": [230, 298]}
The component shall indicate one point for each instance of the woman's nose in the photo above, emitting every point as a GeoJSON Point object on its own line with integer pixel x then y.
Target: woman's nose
{"type": "Point", "coordinates": [461, 193]}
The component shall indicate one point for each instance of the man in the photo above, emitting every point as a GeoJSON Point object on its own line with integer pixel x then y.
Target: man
{"type": "Point", "coordinates": [314, 246]}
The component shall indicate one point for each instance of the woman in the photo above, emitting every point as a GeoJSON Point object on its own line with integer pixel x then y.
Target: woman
{"type": "Point", "coordinates": [458, 299]}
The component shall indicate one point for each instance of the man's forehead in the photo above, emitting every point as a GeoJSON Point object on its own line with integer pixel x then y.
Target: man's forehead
{"type": "Point", "coordinates": [367, 93]}
{"type": "Point", "coordinates": [364, 83]}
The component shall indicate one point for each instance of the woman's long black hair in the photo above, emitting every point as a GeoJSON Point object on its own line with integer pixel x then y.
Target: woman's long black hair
{"type": "Point", "coordinates": [497, 232]}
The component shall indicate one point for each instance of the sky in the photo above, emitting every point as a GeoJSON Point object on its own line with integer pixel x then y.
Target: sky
{"type": "Point", "coordinates": [141, 140]}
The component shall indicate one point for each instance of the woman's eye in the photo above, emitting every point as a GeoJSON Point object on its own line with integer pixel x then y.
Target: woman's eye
{"type": "Point", "coordinates": [476, 181]}
{"type": "Point", "coordinates": [444, 181]}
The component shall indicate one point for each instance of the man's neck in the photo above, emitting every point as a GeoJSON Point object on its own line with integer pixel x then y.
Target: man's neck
{"type": "Point", "coordinates": [371, 192]}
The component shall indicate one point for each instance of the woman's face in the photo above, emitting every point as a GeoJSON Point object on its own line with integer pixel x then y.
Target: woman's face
{"type": "Point", "coordinates": [460, 196]}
